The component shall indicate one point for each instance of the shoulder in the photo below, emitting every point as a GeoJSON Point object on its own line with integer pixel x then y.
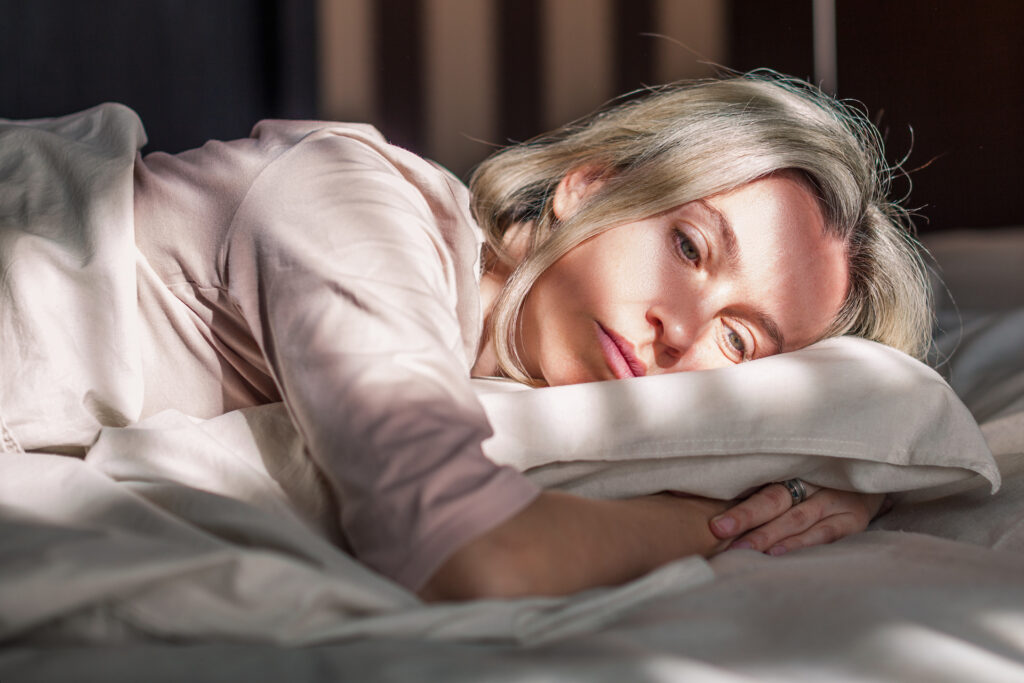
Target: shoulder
{"type": "Point", "coordinates": [359, 155]}
{"type": "Point", "coordinates": [342, 141]}
{"type": "Point", "coordinates": [294, 131]}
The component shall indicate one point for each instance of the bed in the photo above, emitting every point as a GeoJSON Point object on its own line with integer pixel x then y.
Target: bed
{"type": "Point", "coordinates": [185, 549]}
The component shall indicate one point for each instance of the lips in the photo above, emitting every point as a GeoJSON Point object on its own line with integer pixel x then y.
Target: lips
{"type": "Point", "coordinates": [618, 353]}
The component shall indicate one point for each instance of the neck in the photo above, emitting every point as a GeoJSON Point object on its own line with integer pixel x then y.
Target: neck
{"type": "Point", "coordinates": [491, 283]}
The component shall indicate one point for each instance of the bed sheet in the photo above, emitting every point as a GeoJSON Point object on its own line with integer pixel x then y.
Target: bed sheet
{"type": "Point", "coordinates": [882, 606]}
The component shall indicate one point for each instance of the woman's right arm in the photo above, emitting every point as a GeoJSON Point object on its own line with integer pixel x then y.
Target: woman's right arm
{"type": "Point", "coordinates": [349, 277]}
{"type": "Point", "coordinates": [561, 544]}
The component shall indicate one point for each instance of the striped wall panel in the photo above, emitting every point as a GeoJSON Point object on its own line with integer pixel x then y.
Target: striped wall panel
{"type": "Point", "coordinates": [452, 79]}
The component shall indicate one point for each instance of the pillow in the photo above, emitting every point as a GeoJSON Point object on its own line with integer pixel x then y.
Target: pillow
{"type": "Point", "coordinates": [844, 413]}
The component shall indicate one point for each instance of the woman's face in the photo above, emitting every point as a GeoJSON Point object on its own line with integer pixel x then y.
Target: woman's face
{"type": "Point", "coordinates": [734, 277]}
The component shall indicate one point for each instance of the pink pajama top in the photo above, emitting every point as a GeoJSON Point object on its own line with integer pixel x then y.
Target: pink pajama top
{"type": "Point", "coordinates": [316, 264]}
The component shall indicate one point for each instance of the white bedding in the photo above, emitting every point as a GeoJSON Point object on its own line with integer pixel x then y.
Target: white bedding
{"type": "Point", "coordinates": [203, 550]}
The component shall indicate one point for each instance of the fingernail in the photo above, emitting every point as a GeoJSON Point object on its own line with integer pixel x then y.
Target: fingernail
{"type": "Point", "coordinates": [777, 550]}
{"type": "Point", "coordinates": [724, 525]}
{"type": "Point", "coordinates": [742, 545]}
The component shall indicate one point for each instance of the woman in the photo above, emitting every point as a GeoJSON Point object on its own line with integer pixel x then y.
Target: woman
{"type": "Point", "coordinates": [693, 228]}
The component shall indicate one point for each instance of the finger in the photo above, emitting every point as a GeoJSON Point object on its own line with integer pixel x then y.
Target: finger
{"type": "Point", "coordinates": [796, 520]}
{"type": "Point", "coordinates": [846, 513]}
{"type": "Point", "coordinates": [763, 506]}
{"type": "Point", "coordinates": [829, 530]}
{"type": "Point", "coordinates": [852, 508]}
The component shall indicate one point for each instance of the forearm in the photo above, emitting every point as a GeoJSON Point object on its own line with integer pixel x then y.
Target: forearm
{"type": "Point", "coordinates": [561, 544]}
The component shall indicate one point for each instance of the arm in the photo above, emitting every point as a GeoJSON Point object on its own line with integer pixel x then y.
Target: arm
{"type": "Point", "coordinates": [348, 277]}
{"type": "Point", "coordinates": [561, 544]}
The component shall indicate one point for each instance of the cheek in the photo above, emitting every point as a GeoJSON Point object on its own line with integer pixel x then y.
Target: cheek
{"type": "Point", "coordinates": [704, 354]}
{"type": "Point", "coordinates": [570, 281]}
{"type": "Point", "coordinates": [569, 369]}
{"type": "Point", "coordinates": [815, 298]}
{"type": "Point", "coordinates": [618, 265]}
{"type": "Point", "coordinates": [553, 302]}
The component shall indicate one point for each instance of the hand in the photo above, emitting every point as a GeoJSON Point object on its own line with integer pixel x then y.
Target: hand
{"type": "Point", "coordinates": [769, 522]}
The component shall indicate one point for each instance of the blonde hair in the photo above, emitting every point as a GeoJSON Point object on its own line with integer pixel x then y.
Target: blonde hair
{"type": "Point", "coordinates": [684, 142]}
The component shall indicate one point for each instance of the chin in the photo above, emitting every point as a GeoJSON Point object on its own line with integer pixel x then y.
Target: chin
{"type": "Point", "coordinates": [576, 375]}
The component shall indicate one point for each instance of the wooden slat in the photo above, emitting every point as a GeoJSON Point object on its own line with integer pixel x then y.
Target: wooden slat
{"type": "Point", "coordinates": [520, 94]}
{"type": "Point", "coordinates": [578, 72]}
{"type": "Point", "coordinates": [634, 51]}
{"type": "Point", "coordinates": [461, 81]}
{"type": "Point", "coordinates": [772, 33]}
{"type": "Point", "coordinates": [347, 69]}
{"type": "Point", "coordinates": [398, 28]}
{"type": "Point", "coordinates": [694, 39]}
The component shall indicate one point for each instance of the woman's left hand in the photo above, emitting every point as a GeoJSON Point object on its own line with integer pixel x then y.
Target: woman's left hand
{"type": "Point", "coordinates": [769, 522]}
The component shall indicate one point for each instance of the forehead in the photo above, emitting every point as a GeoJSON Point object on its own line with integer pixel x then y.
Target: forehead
{"type": "Point", "coordinates": [784, 261]}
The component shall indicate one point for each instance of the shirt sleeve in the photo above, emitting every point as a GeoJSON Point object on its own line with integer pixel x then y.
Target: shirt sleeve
{"type": "Point", "coordinates": [336, 262]}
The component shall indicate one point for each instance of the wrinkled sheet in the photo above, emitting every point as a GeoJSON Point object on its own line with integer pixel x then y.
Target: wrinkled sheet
{"type": "Point", "coordinates": [880, 607]}
{"type": "Point", "coordinates": [174, 529]}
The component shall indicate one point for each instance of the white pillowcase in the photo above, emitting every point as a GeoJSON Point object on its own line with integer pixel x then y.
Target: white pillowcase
{"type": "Point", "coordinates": [844, 413]}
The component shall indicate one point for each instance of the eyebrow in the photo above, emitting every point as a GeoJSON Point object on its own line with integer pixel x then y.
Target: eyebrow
{"type": "Point", "coordinates": [723, 229]}
{"type": "Point", "coordinates": [771, 328]}
{"type": "Point", "coordinates": [727, 237]}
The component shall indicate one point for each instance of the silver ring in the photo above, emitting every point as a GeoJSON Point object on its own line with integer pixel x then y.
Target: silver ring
{"type": "Point", "coordinates": [797, 490]}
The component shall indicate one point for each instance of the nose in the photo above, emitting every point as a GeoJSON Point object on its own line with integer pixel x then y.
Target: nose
{"type": "Point", "coordinates": [675, 331]}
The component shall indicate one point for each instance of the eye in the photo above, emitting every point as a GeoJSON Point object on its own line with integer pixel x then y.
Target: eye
{"type": "Point", "coordinates": [687, 248]}
{"type": "Point", "coordinates": [736, 343]}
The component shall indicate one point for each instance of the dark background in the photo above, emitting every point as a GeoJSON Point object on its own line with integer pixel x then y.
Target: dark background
{"type": "Point", "coordinates": [193, 69]}
{"type": "Point", "coordinates": [945, 83]}
{"type": "Point", "coordinates": [944, 78]}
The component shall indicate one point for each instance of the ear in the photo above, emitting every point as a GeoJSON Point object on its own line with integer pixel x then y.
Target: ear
{"type": "Point", "coordinates": [575, 188]}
